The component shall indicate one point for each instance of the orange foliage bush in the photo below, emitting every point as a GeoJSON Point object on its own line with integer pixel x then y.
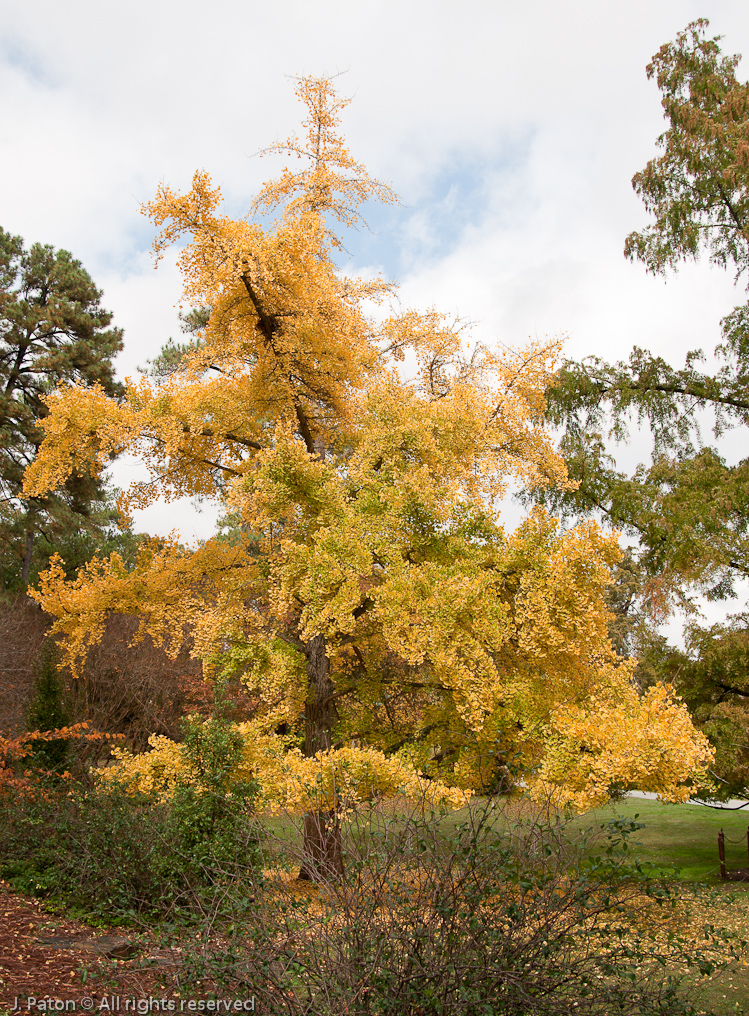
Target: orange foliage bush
{"type": "Point", "coordinates": [14, 749]}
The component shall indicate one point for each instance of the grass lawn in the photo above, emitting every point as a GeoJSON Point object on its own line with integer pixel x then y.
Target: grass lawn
{"type": "Point", "coordinates": [685, 835]}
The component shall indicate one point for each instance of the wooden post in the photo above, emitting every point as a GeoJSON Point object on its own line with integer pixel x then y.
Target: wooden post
{"type": "Point", "coordinates": [722, 853]}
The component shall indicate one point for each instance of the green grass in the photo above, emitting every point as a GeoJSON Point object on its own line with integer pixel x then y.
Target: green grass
{"type": "Point", "coordinates": [725, 995]}
{"type": "Point", "coordinates": [684, 835]}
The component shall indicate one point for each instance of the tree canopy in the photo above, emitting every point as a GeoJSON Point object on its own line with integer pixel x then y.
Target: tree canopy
{"type": "Point", "coordinates": [687, 508]}
{"type": "Point", "coordinates": [52, 329]}
{"type": "Point", "coordinates": [388, 629]}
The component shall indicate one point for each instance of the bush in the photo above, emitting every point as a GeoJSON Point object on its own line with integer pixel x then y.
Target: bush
{"type": "Point", "coordinates": [119, 856]}
{"type": "Point", "coordinates": [210, 823]}
{"type": "Point", "coordinates": [513, 918]}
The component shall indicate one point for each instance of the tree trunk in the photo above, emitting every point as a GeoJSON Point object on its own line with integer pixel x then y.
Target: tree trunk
{"type": "Point", "coordinates": [28, 552]}
{"type": "Point", "coordinates": [323, 858]}
{"type": "Point", "coordinates": [323, 855]}
{"type": "Point", "coordinates": [319, 710]}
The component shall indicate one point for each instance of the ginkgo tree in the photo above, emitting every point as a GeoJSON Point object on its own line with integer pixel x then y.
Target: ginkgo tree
{"type": "Point", "coordinates": [391, 634]}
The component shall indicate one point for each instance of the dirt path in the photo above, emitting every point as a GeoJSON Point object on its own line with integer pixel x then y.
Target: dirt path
{"type": "Point", "coordinates": [44, 955]}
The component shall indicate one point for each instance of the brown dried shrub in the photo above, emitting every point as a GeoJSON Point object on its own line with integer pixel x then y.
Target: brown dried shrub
{"type": "Point", "coordinates": [134, 688]}
{"type": "Point", "coordinates": [23, 627]}
{"type": "Point", "coordinates": [127, 688]}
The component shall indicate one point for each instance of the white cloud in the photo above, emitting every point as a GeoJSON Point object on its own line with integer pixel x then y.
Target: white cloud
{"type": "Point", "coordinates": [510, 130]}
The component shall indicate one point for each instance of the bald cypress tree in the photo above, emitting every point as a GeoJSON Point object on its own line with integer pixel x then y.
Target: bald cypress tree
{"type": "Point", "coordinates": [688, 508]}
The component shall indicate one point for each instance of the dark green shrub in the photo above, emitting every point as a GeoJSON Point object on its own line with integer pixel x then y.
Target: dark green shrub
{"type": "Point", "coordinates": [47, 711]}
{"type": "Point", "coordinates": [116, 855]}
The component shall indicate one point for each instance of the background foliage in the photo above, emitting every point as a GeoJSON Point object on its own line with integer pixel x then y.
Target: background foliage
{"type": "Point", "coordinates": [687, 509]}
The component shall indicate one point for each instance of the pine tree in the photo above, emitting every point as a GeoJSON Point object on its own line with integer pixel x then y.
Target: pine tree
{"type": "Point", "coordinates": [47, 710]}
{"type": "Point", "coordinates": [688, 509]}
{"type": "Point", "coordinates": [52, 330]}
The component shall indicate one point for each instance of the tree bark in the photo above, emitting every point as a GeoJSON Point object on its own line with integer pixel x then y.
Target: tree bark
{"type": "Point", "coordinates": [323, 854]}
{"type": "Point", "coordinates": [319, 710]}
{"type": "Point", "coordinates": [28, 552]}
{"type": "Point", "coordinates": [323, 857]}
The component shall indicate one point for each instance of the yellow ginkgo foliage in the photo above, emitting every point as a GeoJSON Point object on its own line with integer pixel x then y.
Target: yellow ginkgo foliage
{"type": "Point", "coordinates": [366, 592]}
{"type": "Point", "coordinates": [287, 779]}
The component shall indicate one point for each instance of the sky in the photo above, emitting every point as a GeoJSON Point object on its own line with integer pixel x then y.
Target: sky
{"type": "Point", "coordinates": [510, 131]}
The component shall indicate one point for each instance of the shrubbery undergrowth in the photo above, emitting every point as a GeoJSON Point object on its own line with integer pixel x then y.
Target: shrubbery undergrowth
{"type": "Point", "coordinates": [508, 914]}
{"type": "Point", "coordinates": [500, 917]}
{"type": "Point", "coordinates": [117, 856]}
